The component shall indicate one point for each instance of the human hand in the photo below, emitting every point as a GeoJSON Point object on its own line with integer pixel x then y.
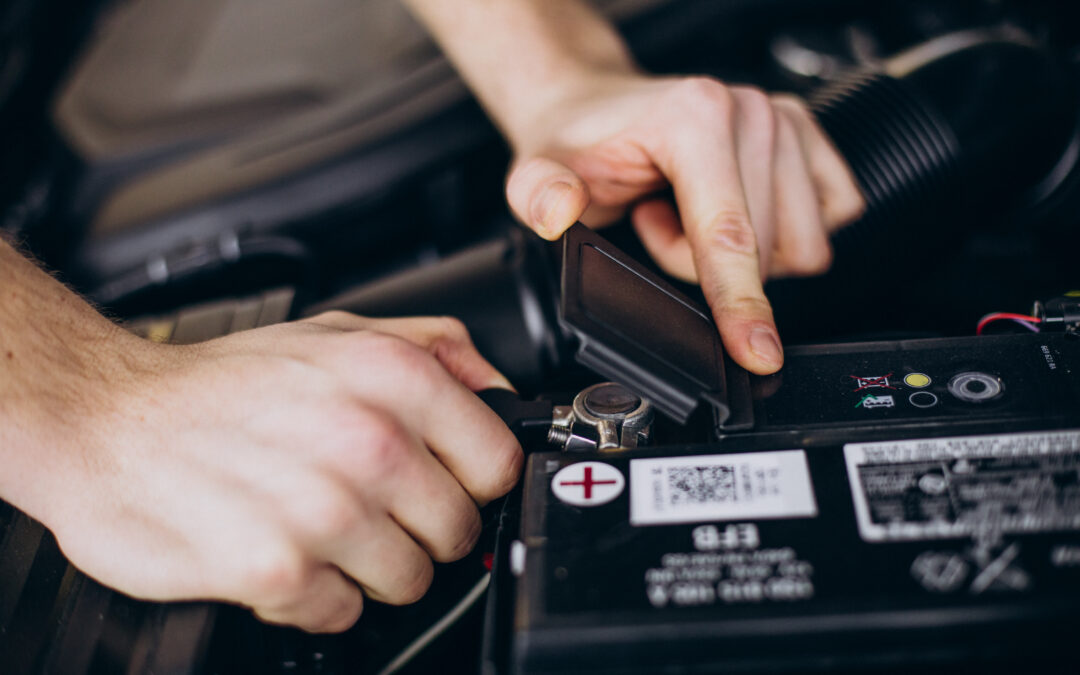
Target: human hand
{"type": "Point", "coordinates": [288, 467]}
{"type": "Point", "coordinates": [759, 188]}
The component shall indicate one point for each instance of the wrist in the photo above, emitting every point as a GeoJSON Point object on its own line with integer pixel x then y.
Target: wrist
{"type": "Point", "coordinates": [529, 122]}
{"type": "Point", "coordinates": [58, 419]}
{"type": "Point", "coordinates": [62, 368]}
{"type": "Point", "coordinates": [525, 58]}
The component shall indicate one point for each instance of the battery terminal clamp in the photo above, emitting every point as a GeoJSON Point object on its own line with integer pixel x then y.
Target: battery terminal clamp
{"type": "Point", "coordinates": [604, 417]}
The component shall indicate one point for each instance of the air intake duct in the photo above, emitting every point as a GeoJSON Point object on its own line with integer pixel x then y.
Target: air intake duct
{"type": "Point", "coordinates": [961, 128]}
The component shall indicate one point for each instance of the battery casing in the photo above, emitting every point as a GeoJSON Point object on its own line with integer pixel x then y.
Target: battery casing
{"type": "Point", "coordinates": [922, 530]}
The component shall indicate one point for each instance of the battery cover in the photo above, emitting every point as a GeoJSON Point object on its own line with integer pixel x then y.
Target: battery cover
{"type": "Point", "coordinates": [636, 329]}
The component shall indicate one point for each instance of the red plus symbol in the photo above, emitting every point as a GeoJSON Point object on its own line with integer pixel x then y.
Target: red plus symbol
{"type": "Point", "coordinates": [606, 479]}
{"type": "Point", "coordinates": [588, 482]}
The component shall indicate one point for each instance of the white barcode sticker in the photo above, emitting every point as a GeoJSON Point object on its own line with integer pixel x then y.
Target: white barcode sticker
{"type": "Point", "coordinates": [720, 487]}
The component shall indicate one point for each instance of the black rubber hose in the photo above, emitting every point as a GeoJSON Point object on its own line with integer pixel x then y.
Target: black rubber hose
{"type": "Point", "coordinates": [952, 133]}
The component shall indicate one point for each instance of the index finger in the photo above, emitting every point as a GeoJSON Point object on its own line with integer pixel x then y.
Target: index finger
{"type": "Point", "coordinates": [700, 161]}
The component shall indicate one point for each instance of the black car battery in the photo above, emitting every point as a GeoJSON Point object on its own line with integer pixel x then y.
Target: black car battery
{"type": "Point", "coordinates": [876, 506]}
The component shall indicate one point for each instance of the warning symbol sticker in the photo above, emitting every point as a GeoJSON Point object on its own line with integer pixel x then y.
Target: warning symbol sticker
{"type": "Point", "coordinates": [870, 402]}
{"type": "Point", "coordinates": [979, 569]}
{"type": "Point", "coordinates": [872, 382]}
{"type": "Point", "coordinates": [588, 484]}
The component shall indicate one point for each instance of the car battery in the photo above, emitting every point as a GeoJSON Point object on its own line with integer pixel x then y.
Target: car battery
{"type": "Point", "coordinates": [880, 506]}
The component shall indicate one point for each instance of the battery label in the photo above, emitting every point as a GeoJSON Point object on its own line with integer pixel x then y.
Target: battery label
{"type": "Point", "coordinates": [666, 490]}
{"type": "Point", "coordinates": [967, 486]}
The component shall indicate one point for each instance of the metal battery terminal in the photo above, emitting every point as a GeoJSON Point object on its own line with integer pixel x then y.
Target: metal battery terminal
{"type": "Point", "coordinates": [605, 416]}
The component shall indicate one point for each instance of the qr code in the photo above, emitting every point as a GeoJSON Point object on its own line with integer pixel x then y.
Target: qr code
{"type": "Point", "coordinates": [701, 484]}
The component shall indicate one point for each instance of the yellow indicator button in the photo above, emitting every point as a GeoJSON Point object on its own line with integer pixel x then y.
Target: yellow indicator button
{"type": "Point", "coordinates": [916, 380]}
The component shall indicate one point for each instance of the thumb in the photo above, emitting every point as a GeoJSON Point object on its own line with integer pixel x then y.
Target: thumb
{"type": "Point", "coordinates": [546, 195]}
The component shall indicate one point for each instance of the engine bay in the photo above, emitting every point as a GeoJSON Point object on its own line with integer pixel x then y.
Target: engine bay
{"type": "Point", "coordinates": [902, 494]}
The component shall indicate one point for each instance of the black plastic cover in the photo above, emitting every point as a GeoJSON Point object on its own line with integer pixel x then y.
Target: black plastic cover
{"type": "Point", "coordinates": [635, 329]}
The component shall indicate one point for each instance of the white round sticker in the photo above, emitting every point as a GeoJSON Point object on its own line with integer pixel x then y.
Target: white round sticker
{"type": "Point", "coordinates": [588, 483]}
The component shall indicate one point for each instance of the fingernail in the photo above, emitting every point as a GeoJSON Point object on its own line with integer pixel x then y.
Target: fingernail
{"type": "Point", "coordinates": [547, 203]}
{"type": "Point", "coordinates": [499, 381]}
{"type": "Point", "coordinates": [766, 346]}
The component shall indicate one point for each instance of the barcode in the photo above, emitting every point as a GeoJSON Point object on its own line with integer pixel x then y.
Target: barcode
{"type": "Point", "coordinates": [701, 484]}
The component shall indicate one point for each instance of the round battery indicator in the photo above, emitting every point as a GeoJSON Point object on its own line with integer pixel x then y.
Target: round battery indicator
{"type": "Point", "coordinates": [917, 380]}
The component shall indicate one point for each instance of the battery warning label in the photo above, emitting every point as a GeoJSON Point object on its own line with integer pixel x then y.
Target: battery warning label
{"type": "Point", "coordinates": [666, 490]}
{"type": "Point", "coordinates": [975, 486]}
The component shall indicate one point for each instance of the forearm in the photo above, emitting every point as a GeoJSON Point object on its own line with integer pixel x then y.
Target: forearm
{"type": "Point", "coordinates": [56, 356]}
{"type": "Point", "coordinates": [521, 57]}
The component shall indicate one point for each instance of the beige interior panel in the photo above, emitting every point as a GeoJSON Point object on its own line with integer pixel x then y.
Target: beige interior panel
{"type": "Point", "coordinates": [251, 90]}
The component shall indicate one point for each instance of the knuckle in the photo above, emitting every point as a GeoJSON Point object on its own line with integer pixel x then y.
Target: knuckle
{"type": "Point", "coordinates": [451, 336]}
{"type": "Point", "coordinates": [730, 230]}
{"type": "Point", "coordinates": [786, 129]}
{"type": "Point", "coordinates": [511, 468]}
{"type": "Point", "coordinates": [706, 95]}
{"type": "Point", "coordinates": [755, 102]}
{"type": "Point", "coordinates": [334, 316]}
{"type": "Point", "coordinates": [348, 615]}
{"type": "Point", "coordinates": [384, 447]}
{"type": "Point", "coordinates": [468, 533]}
{"type": "Point", "coordinates": [506, 468]}
{"type": "Point", "coordinates": [794, 108]}
{"type": "Point", "coordinates": [786, 100]}
{"type": "Point", "coordinates": [342, 611]}
{"type": "Point", "coordinates": [842, 206]}
{"type": "Point", "coordinates": [376, 342]}
{"type": "Point", "coordinates": [814, 261]}
{"type": "Point", "coordinates": [749, 306]}
{"type": "Point", "coordinates": [329, 516]}
{"type": "Point", "coordinates": [759, 120]}
{"type": "Point", "coordinates": [853, 208]}
{"type": "Point", "coordinates": [407, 359]}
{"type": "Point", "coordinates": [396, 357]}
{"type": "Point", "coordinates": [526, 169]}
{"type": "Point", "coordinates": [453, 327]}
{"type": "Point", "coordinates": [706, 88]}
{"type": "Point", "coordinates": [415, 585]}
{"type": "Point", "coordinates": [276, 577]}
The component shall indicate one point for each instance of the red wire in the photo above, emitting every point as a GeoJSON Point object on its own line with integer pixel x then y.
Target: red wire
{"type": "Point", "coordinates": [999, 316]}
